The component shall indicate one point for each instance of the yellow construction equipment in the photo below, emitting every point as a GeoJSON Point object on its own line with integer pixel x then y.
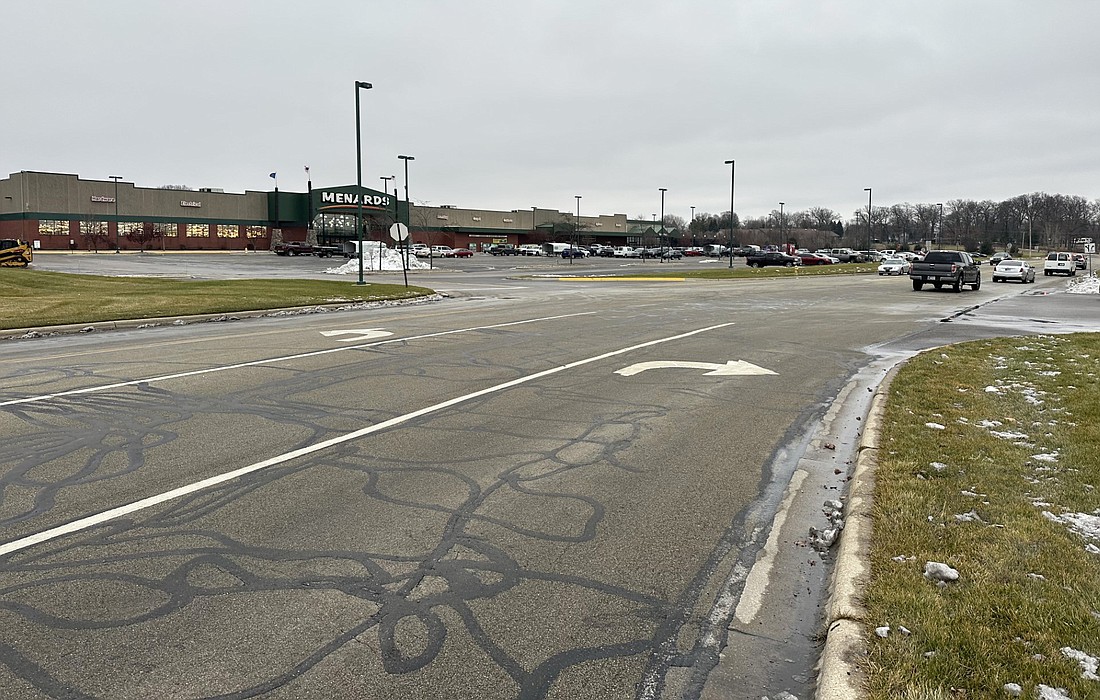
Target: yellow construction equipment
{"type": "Point", "coordinates": [15, 253]}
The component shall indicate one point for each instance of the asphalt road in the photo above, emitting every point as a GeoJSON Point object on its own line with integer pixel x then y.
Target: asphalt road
{"type": "Point", "coordinates": [513, 492]}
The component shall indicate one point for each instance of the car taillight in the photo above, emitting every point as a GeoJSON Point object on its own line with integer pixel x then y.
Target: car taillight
{"type": "Point", "coordinates": [953, 268]}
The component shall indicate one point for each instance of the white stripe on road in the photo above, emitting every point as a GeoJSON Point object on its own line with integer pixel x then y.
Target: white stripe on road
{"type": "Point", "coordinates": [272, 360]}
{"type": "Point", "coordinates": [100, 518]}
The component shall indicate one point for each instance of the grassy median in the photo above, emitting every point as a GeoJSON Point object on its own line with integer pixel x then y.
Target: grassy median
{"type": "Point", "coordinates": [33, 298]}
{"type": "Point", "coordinates": [989, 463]}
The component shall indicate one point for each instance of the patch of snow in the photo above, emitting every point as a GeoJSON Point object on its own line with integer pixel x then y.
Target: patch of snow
{"type": "Point", "coordinates": [935, 426]}
{"type": "Point", "coordinates": [1084, 524]}
{"type": "Point", "coordinates": [1048, 693]}
{"type": "Point", "coordinates": [390, 260]}
{"type": "Point", "coordinates": [1013, 689]}
{"type": "Point", "coordinates": [1008, 435]}
{"type": "Point", "coordinates": [990, 423]}
{"type": "Point", "coordinates": [883, 631]}
{"type": "Point", "coordinates": [971, 517]}
{"type": "Point", "coordinates": [1088, 663]}
{"type": "Point", "coordinates": [935, 571]}
{"type": "Point", "coordinates": [938, 466]}
{"type": "Point", "coordinates": [1083, 285]}
{"type": "Point", "coordinates": [1046, 457]}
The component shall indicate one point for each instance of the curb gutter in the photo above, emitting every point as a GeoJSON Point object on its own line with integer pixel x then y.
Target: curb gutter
{"type": "Point", "coordinates": [840, 676]}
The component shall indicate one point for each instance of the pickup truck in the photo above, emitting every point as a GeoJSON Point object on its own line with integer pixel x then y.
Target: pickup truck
{"type": "Point", "coordinates": [951, 267]}
{"type": "Point", "coordinates": [292, 248]}
{"type": "Point", "coordinates": [504, 249]}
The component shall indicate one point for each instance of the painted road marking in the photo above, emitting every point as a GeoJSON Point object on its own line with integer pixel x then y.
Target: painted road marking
{"type": "Point", "coordinates": [273, 360]}
{"type": "Point", "coordinates": [731, 368]}
{"type": "Point", "coordinates": [360, 334]}
{"type": "Point", "coordinates": [100, 518]}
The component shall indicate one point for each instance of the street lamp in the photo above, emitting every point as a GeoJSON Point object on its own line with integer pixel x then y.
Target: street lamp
{"type": "Point", "coordinates": [782, 238]}
{"type": "Point", "coordinates": [408, 211]}
{"type": "Point", "coordinates": [691, 225]}
{"type": "Point", "coordinates": [116, 178]}
{"type": "Point", "coordinates": [661, 231]}
{"type": "Point", "coordinates": [938, 220]}
{"type": "Point", "coordinates": [359, 177]}
{"type": "Point", "coordinates": [868, 191]}
{"type": "Point", "coordinates": [940, 205]}
{"type": "Point", "coordinates": [576, 227]}
{"type": "Point", "coordinates": [733, 175]}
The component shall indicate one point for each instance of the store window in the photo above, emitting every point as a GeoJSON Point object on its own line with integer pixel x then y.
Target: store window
{"type": "Point", "coordinates": [229, 231]}
{"type": "Point", "coordinates": [93, 229]}
{"type": "Point", "coordinates": [53, 227]}
{"type": "Point", "coordinates": [255, 231]}
{"type": "Point", "coordinates": [198, 230]}
{"type": "Point", "coordinates": [130, 228]}
{"type": "Point", "coordinates": [166, 230]}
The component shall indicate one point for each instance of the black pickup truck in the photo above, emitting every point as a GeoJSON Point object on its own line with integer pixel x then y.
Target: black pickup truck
{"type": "Point", "coordinates": [946, 267]}
{"type": "Point", "coordinates": [772, 258]}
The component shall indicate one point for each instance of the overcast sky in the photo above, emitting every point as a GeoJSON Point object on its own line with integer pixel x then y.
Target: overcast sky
{"type": "Point", "coordinates": [511, 104]}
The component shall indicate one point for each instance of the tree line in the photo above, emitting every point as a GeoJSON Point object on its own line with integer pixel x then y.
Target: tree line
{"type": "Point", "coordinates": [1037, 220]}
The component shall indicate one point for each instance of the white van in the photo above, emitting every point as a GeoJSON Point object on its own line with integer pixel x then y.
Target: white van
{"type": "Point", "coordinates": [1061, 263]}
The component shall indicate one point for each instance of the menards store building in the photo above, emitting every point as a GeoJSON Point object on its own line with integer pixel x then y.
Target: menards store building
{"type": "Point", "coordinates": [57, 211]}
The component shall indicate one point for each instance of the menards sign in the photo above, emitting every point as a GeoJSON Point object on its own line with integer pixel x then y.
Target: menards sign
{"type": "Point", "coordinates": [333, 198]}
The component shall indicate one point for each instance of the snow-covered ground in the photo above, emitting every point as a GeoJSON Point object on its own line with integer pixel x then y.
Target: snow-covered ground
{"type": "Point", "coordinates": [1083, 285]}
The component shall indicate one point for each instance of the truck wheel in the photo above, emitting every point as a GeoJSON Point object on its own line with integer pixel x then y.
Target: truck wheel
{"type": "Point", "coordinates": [937, 285]}
{"type": "Point", "coordinates": [1046, 273]}
{"type": "Point", "coordinates": [977, 284]}
{"type": "Point", "coordinates": [917, 285]}
{"type": "Point", "coordinates": [790, 264]}
{"type": "Point", "coordinates": [957, 286]}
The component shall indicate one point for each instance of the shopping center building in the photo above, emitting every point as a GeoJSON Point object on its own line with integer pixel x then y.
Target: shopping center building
{"type": "Point", "coordinates": [57, 211]}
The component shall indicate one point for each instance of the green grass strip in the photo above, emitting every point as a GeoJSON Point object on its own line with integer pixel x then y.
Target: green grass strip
{"type": "Point", "coordinates": [1029, 587]}
{"type": "Point", "coordinates": [32, 298]}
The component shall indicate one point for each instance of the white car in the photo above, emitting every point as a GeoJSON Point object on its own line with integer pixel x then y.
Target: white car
{"type": "Point", "coordinates": [1018, 270]}
{"type": "Point", "coordinates": [894, 266]}
{"type": "Point", "coordinates": [530, 249]}
{"type": "Point", "coordinates": [626, 251]}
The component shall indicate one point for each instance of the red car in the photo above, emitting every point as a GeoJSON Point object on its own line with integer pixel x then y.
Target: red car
{"type": "Point", "coordinates": [460, 253]}
{"type": "Point", "coordinates": [812, 259]}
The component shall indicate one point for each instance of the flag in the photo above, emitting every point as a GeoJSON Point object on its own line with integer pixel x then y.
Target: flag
{"type": "Point", "coordinates": [272, 176]}
{"type": "Point", "coordinates": [307, 170]}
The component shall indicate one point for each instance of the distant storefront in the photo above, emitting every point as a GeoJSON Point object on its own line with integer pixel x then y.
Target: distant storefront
{"type": "Point", "coordinates": [56, 211]}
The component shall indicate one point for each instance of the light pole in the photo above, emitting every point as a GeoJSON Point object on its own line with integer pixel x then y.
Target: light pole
{"type": "Point", "coordinates": [868, 191]}
{"type": "Point", "coordinates": [691, 225]}
{"type": "Point", "coordinates": [782, 221]}
{"type": "Point", "coordinates": [661, 231]}
{"type": "Point", "coordinates": [116, 178]}
{"type": "Point", "coordinates": [408, 210]}
{"type": "Point", "coordinates": [733, 175]}
{"type": "Point", "coordinates": [386, 188]}
{"type": "Point", "coordinates": [940, 205]}
{"type": "Point", "coordinates": [576, 227]}
{"type": "Point", "coordinates": [359, 177]}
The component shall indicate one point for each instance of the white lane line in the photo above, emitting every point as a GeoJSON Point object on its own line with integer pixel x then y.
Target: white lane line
{"type": "Point", "coordinates": [272, 360]}
{"type": "Point", "coordinates": [756, 585]}
{"type": "Point", "coordinates": [99, 518]}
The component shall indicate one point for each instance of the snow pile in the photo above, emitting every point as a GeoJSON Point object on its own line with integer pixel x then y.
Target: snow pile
{"type": "Point", "coordinates": [1083, 285]}
{"type": "Point", "coordinates": [1088, 663]}
{"type": "Point", "coordinates": [1084, 524]}
{"type": "Point", "coordinates": [389, 261]}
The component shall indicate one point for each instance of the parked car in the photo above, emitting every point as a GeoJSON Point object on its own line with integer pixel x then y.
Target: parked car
{"type": "Point", "coordinates": [1060, 263]}
{"type": "Point", "coordinates": [772, 258]}
{"type": "Point", "coordinates": [894, 266]}
{"type": "Point", "coordinates": [815, 259]}
{"type": "Point", "coordinates": [503, 249]}
{"type": "Point", "coordinates": [1018, 270]}
{"type": "Point", "coordinates": [530, 249]}
{"type": "Point", "coordinates": [694, 252]}
{"type": "Point", "coordinates": [441, 251]}
{"type": "Point", "coordinates": [625, 251]}
{"type": "Point", "coordinates": [1080, 260]}
{"type": "Point", "coordinates": [460, 253]}
{"type": "Point", "coordinates": [575, 253]}
{"type": "Point", "coordinates": [672, 254]}
{"type": "Point", "coordinates": [996, 258]}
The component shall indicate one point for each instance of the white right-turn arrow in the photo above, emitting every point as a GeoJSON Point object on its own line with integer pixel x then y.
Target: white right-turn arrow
{"type": "Point", "coordinates": [730, 369]}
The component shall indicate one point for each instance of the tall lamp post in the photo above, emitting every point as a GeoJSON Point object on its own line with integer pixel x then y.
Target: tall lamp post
{"type": "Point", "coordinates": [940, 205]}
{"type": "Point", "coordinates": [937, 220]}
{"type": "Point", "coordinates": [691, 225]}
{"type": "Point", "coordinates": [576, 227]}
{"type": "Point", "coordinates": [359, 85]}
{"type": "Point", "coordinates": [408, 210]}
{"type": "Point", "coordinates": [868, 191]}
{"type": "Point", "coordinates": [733, 175]}
{"type": "Point", "coordinates": [782, 225]}
{"type": "Point", "coordinates": [116, 178]}
{"type": "Point", "coordinates": [661, 231]}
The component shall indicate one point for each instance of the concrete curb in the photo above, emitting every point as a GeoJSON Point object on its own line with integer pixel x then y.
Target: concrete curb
{"type": "Point", "coordinates": [839, 676]}
{"type": "Point", "coordinates": [68, 329]}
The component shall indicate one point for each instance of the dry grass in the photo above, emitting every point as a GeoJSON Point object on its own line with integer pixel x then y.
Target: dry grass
{"type": "Point", "coordinates": [1028, 587]}
{"type": "Point", "coordinates": [31, 298]}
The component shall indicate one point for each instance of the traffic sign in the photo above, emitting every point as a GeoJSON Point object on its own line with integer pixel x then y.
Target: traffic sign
{"type": "Point", "coordinates": [399, 232]}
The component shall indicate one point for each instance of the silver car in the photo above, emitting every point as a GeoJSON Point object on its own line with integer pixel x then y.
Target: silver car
{"type": "Point", "coordinates": [1018, 270]}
